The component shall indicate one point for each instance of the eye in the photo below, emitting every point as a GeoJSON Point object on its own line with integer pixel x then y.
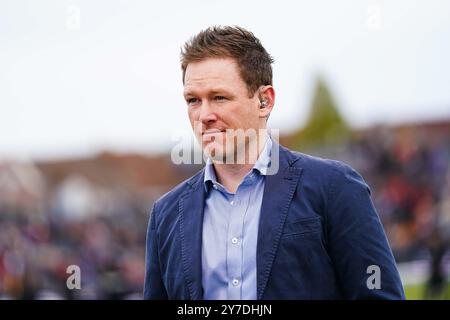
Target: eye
{"type": "Point", "coordinates": [219, 98]}
{"type": "Point", "coordinates": [192, 101]}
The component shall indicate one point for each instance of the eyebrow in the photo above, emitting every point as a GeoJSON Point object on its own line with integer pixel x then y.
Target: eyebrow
{"type": "Point", "coordinates": [212, 92]}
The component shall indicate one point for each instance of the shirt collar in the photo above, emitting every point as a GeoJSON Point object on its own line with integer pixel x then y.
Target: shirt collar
{"type": "Point", "coordinates": [261, 165]}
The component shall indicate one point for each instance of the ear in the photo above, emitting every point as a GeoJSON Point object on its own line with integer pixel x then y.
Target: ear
{"type": "Point", "coordinates": [267, 97]}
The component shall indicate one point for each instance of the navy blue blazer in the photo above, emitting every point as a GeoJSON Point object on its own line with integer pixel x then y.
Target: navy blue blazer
{"type": "Point", "coordinates": [318, 235]}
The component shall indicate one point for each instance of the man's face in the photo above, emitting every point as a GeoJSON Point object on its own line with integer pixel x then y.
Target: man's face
{"type": "Point", "coordinates": [218, 100]}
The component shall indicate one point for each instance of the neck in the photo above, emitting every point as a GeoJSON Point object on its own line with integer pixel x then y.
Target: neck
{"type": "Point", "coordinates": [231, 175]}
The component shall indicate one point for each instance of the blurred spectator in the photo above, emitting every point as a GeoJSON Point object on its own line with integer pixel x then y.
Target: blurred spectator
{"type": "Point", "coordinates": [437, 286]}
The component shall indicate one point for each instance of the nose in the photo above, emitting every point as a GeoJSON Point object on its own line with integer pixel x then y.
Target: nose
{"type": "Point", "coordinates": [207, 114]}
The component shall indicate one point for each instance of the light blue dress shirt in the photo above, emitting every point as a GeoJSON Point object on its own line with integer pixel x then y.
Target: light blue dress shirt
{"type": "Point", "coordinates": [230, 233]}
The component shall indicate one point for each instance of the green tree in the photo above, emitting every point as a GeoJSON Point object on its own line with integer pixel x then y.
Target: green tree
{"type": "Point", "coordinates": [325, 125]}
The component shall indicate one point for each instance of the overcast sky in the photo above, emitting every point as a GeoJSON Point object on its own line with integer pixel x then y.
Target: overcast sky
{"type": "Point", "coordinates": [78, 77]}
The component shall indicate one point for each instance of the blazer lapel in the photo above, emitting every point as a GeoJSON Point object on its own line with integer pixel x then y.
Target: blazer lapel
{"type": "Point", "coordinates": [278, 192]}
{"type": "Point", "coordinates": [191, 206]}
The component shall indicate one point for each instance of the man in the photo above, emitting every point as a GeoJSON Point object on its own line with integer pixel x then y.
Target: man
{"type": "Point", "coordinates": [276, 225]}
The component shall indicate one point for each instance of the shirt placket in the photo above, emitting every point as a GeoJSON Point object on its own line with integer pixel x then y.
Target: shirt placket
{"type": "Point", "coordinates": [238, 205]}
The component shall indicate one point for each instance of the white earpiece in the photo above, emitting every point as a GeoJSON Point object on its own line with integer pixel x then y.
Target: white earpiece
{"type": "Point", "coordinates": [263, 104]}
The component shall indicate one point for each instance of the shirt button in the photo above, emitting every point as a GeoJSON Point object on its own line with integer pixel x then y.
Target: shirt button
{"type": "Point", "coordinates": [235, 282]}
{"type": "Point", "coordinates": [234, 240]}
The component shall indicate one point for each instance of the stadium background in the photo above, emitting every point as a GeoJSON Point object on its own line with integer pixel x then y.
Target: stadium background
{"type": "Point", "coordinates": [86, 202]}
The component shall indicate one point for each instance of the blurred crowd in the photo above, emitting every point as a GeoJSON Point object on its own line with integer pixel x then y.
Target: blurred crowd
{"type": "Point", "coordinates": [408, 172]}
{"type": "Point", "coordinates": [36, 249]}
{"type": "Point", "coordinates": [42, 232]}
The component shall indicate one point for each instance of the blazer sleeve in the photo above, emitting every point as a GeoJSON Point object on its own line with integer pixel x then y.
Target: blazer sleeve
{"type": "Point", "coordinates": [357, 243]}
{"type": "Point", "coordinates": [153, 283]}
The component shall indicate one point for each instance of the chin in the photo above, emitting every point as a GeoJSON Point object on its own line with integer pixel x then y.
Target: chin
{"type": "Point", "coordinates": [219, 154]}
{"type": "Point", "coordinates": [214, 150]}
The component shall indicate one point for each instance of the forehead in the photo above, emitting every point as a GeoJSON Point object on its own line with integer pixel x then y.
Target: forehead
{"type": "Point", "coordinates": [211, 73]}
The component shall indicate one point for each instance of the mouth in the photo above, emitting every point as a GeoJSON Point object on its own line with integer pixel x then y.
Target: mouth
{"type": "Point", "coordinates": [212, 132]}
{"type": "Point", "coordinates": [213, 135]}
